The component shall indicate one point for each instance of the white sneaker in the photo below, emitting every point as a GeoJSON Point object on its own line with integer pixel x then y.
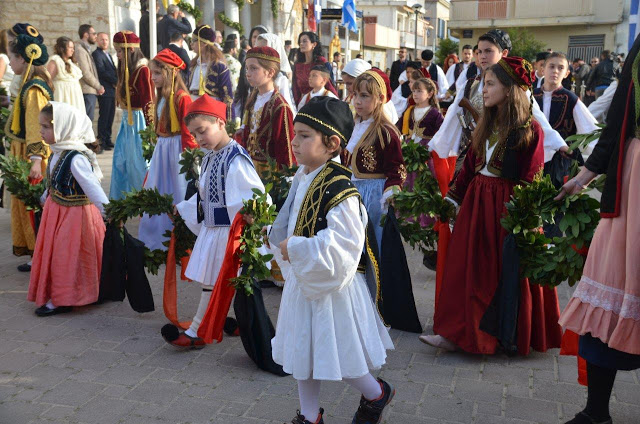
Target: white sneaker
{"type": "Point", "coordinates": [438, 341]}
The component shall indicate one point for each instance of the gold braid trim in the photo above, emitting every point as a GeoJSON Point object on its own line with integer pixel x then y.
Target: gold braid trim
{"type": "Point", "coordinates": [332, 128]}
{"type": "Point", "coordinates": [263, 56]}
{"type": "Point", "coordinates": [379, 80]}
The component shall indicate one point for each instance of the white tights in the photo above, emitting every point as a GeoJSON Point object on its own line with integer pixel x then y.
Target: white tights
{"type": "Point", "coordinates": [309, 393]}
{"type": "Point", "coordinates": [202, 309]}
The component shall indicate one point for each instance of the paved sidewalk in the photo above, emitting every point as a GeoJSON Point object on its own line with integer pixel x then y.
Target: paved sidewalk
{"type": "Point", "coordinates": [108, 364]}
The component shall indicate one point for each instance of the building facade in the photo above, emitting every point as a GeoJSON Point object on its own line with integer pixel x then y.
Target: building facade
{"type": "Point", "coordinates": [581, 28]}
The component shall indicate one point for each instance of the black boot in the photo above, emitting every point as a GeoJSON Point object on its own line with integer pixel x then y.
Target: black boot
{"type": "Point", "coordinates": [600, 383]}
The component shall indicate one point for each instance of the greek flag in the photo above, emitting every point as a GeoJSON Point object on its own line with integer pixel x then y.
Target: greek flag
{"type": "Point", "coordinates": [317, 11]}
{"type": "Point", "coordinates": [349, 15]}
{"type": "Point", "coordinates": [634, 22]}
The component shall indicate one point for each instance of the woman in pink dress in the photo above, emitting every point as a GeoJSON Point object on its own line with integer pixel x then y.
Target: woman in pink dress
{"type": "Point", "coordinates": [605, 307]}
{"type": "Point", "coordinates": [68, 254]}
{"type": "Point", "coordinates": [309, 55]}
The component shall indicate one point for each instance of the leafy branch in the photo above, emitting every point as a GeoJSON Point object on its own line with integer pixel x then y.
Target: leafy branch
{"type": "Point", "coordinates": [253, 262]}
{"type": "Point", "coordinates": [228, 22]}
{"type": "Point", "coordinates": [279, 180]}
{"type": "Point", "coordinates": [15, 173]}
{"type": "Point", "coordinates": [149, 140]}
{"type": "Point", "coordinates": [550, 261]}
{"type": "Point", "coordinates": [424, 198]}
{"type": "Point", "coordinates": [191, 10]}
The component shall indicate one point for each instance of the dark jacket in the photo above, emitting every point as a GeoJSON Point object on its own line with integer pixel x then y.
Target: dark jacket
{"type": "Point", "coordinates": [168, 25]}
{"type": "Point", "coordinates": [397, 68]}
{"type": "Point", "coordinates": [107, 73]}
{"type": "Point", "coordinates": [144, 33]}
{"type": "Point", "coordinates": [180, 51]}
{"type": "Point", "coordinates": [602, 75]}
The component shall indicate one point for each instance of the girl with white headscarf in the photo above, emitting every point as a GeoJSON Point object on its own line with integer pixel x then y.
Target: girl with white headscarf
{"type": "Point", "coordinates": [67, 260]}
{"type": "Point", "coordinates": [282, 80]}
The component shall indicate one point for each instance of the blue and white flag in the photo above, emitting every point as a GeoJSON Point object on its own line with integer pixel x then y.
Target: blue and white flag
{"type": "Point", "coordinates": [634, 22]}
{"type": "Point", "coordinates": [349, 15]}
{"type": "Point", "coordinates": [317, 11]}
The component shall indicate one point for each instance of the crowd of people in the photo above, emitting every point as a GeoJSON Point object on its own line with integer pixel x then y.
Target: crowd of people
{"type": "Point", "coordinates": [490, 121]}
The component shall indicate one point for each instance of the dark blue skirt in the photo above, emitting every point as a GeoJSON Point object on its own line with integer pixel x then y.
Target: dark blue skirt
{"type": "Point", "coordinates": [595, 351]}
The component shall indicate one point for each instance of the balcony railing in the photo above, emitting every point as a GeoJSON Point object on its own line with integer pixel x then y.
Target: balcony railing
{"type": "Point", "coordinates": [492, 9]}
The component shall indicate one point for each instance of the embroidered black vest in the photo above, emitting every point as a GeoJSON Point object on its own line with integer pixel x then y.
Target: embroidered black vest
{"type": "Point", "coordinates": [22, 98]}
{"type": "Point", "coordinates": [561, 113]}
{"type": "Point", "coordinates": [331, 186]}
{"type": "Point", "coordinates": [213, 209]}
{"type": "Point", "coordinates": [63, 187]}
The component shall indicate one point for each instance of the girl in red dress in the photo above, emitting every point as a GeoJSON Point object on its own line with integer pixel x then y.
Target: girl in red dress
{"type": "Point", "coordinates": [507, 149]}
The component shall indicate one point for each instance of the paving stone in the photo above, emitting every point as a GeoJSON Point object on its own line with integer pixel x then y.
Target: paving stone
{"type": "Point", "coordinates": [510, 375]}
{"type": "Point", "coordinates": [45, 376]}
{"type": "Point", "coordinates": [140, 345]}
{"type": "Point", "coordinates": [627, 393]}
{"type": "Point", "coordinates": [19, 361]}
{"type": "Point", "coordinates": [191, 410]}
{"type": "Point", "coordinates": [124, 375]}
{"type": "Point", "coordinates": [447, 409]}
{"type": "Point", "coordinates": [432, 374]}
{"type": "Point", "coordinates": [155, 391]}
{"type": "Point", "coordinates": [67, 346]}
{"type": "Point", "coordinates": [58, 412]}
{"type": "Point", "coordinates": [478, 390]}
{"type": "Point", "coordinates": [104, 410]}
{"type": "Point", "coordinates": [525, 409]}
{"type": "Point", "coordinates": [97, 360]}
{"type": "Point", "coordinates": [238, 390]}
{"type": "Point", "coordinates": [275, 408]}
{"type": "Point", "coordinates": [71, 393]}
{"type": "Point", "coordinates": [20, 412]}
{"type": "Point", "coordinates": [559, 392]}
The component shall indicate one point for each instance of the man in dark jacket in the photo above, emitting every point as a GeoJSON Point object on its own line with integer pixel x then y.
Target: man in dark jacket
{"type": "Point", "coordinates": [398, 67]}
{"type": "Point", "coordinates": [108, 77]}
{"type": "Point", "coordinates": [175, 46]}
{"type": "Point", "coordinates": [602, 76]}
{"type": "Point", "coordinates": [170, 25]}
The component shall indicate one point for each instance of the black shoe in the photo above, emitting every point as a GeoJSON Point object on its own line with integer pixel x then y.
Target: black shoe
{"type": "Point", "coordinates": [582, 418]}
{"type": "Point", "coordinates": [24, 268]}
{"type": "Point", "coordinates": [300, 419]}
{"type": "Point", "coordinates": [108, 146]}
{"type": "Point", "coordinates": [43, 311]}
{"type": "Point", "coordinates": [370, 411]}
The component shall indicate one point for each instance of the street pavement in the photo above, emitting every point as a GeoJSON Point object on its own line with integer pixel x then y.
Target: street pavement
{"type": "Point", "coordinates": [107, 364]}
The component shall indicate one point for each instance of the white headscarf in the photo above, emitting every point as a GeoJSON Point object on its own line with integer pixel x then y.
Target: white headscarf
{"type": "Point", "coordinates": [73, 130]}
{"type": "Point", "coordinates": [275, 43]}
{"type": "Point", "coordinates": [355, 67]}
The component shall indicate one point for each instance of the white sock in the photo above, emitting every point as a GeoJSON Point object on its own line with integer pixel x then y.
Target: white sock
{"type": "Point", "coordinates": [30, 263]}
{"type": "Point", "coordinates": [309, 393]}
{"type": "Point", "coordinates": [367, 385]}
{"type": "Point", "coordinates": [202, 309]}
{"type": "Point", "coordinates": [50, 305]}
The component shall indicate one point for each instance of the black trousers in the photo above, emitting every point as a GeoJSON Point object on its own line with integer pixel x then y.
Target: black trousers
{"type": "Point", "coordinates": [105, 120]}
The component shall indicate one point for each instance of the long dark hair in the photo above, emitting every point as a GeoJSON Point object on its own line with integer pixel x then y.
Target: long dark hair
{"type": "Point", "coordinates": [317, 51]}
{"type": "Point", "coordinates": [260, 28]}
{"type": "Point", "coordinates": [60, 48]}
{"type": "Point", "coordinates": [511, 118]}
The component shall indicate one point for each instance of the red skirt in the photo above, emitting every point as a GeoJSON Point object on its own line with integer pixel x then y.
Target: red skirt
{"type": "Point", "coordinates": [472, 272]}
{"type": "Point", "coordinates": [68, 256]}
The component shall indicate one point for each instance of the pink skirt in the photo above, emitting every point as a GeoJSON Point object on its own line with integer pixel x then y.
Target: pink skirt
{"type": "Point", "coordinates": [68, 256]}
{"type": "Point", "coordinates": [606, 302]}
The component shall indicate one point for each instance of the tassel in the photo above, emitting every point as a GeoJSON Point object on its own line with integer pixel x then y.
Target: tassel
{"type": "Point", "coordinates": [15, 122]}
{"type": "Point", "coordinates": [170, 293]}
{"type": "Point", "coordinates": [126, 85]}
{"type": "Point", "coordinates": [405, 121]}
{"type": "Point", "coordinates": [173, 116]}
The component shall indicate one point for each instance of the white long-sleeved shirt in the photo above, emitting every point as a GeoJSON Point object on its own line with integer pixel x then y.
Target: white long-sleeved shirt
{"type": "Point", "coordinates": [600, 107]}
{"type": "Point", "coordinates": [446, 142]}
{"type": "Point", "coordinates": [585, 121]}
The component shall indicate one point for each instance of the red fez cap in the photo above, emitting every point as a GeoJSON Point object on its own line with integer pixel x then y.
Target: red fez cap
{"type": "Point", "coordinates": [266, 53]}
{"type": "Point", "coordinates": [519, 69]}
{"type": "Point", "coordinates": [207, 105]}
{"type": "Point", "coordinates": [126, 39]}
{"type": "Point", "coordinates": [170, 58]}
{"type": "Point", "coordinates": [383, 81]}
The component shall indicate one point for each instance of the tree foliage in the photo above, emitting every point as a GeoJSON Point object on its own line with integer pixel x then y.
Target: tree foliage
{"type": "Point", "coordinates": [446, 47]}
{"type": "Point", "coordinates": [524, 44]}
